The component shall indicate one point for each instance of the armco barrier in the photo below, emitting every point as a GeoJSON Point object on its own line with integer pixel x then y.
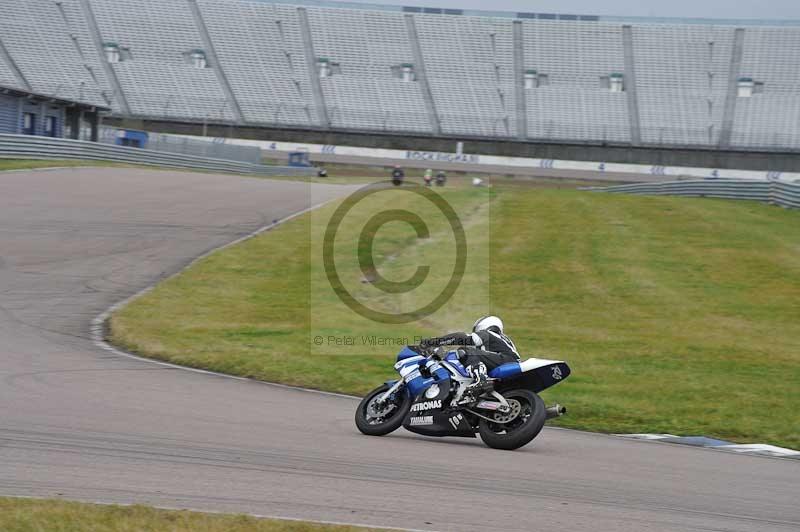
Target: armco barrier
{"type": "Point", "coordinates": [780, 193]}
{"type": "Point", "coordinates": [28, 147]}
{"type": "Point", "coordinates": [514, 165]}
{"type": "Point", "coordinates": [207, 148]}
{"type": "Point", "coordinates": [786, 194]}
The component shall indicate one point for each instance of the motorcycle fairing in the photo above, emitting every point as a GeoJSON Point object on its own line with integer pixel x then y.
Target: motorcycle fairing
{"type": "Point", "coordinates": [405, 353]}
{"type": "Point", "coordinates": [536, 374]}
{"type": "Point", "coordinates": [410, 369]}
{"type": "Point", "coordinates": [437, 421]}
{"type": "Point", "coordinates": [453, 360]}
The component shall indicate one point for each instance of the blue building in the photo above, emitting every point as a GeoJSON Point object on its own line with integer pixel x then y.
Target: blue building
{"type": "Point", "coordinates": [132, 138]}
{"type": "Point", "coordinates": [28, 113]}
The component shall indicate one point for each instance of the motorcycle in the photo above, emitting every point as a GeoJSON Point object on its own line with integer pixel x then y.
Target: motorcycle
{"type": "Point", "coordinates": [433, 397]}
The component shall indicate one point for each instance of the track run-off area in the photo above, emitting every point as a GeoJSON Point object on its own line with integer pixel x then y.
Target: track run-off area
{"type": "Point", "coordinates": [79, 422]}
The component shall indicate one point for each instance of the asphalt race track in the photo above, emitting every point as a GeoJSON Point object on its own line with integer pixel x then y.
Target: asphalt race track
{"type": "Point", "coordinates": [81, 423]}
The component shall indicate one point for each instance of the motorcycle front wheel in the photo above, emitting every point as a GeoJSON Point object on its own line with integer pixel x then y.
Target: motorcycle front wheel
{"type": "Point", "coordinates": [519, 427]}
{"type": "Point", "coordinates": [375, 419]}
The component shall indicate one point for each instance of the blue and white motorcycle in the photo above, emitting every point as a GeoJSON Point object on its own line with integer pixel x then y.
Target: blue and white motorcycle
{"type": "Point", "coordinates": [433, 398]}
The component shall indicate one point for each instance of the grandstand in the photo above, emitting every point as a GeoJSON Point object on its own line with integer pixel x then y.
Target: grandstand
{"type": "Point", "coordinates": [729, 85]}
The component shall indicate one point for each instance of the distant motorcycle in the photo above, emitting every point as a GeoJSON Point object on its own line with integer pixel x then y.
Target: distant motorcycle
{"type": "Point", "coordinates": [441, 179]}
{"type": "Point", "coordinates": [398, 176]}
{"type": "Point", "coordinates": [433, 398]}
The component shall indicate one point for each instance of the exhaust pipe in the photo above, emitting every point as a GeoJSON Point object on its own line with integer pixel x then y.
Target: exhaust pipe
{"type": "Point", "coordinates": [555, 411]}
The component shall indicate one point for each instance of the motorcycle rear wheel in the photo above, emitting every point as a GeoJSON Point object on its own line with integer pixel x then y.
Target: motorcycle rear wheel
{"type": "Point", "coordinates": [376, 424]}
{"type": "Point", "coordinates": [522, 429]}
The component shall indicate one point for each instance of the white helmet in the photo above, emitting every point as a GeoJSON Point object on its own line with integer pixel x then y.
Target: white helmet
{"type": "Point", "coordinates": [488, 322]}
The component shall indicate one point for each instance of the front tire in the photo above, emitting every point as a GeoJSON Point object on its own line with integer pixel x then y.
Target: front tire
{"type": "Point", "coordinates": [378, 420]}
{"type": "Point", "coordinates": [522, 428]}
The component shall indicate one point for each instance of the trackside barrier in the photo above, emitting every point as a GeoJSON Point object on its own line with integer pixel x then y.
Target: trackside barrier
{"type": "Point", "coordinates": [208, 148]}
{"type": "Point", "coordinates": [775, 192]}
{"type": "Point", "coordinates": [29, 147]}
{"type": "Point", "coordinates": [476, 160]}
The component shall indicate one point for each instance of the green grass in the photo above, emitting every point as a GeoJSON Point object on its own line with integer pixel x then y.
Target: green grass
{"type": "Point", "coordinates": [28, 515]}
{"type": "Point", "coordinates": [251, 310]}
{"type": "Point", "coordinates": [677, 315]}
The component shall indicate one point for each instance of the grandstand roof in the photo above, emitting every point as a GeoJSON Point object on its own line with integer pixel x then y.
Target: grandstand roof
{"type": "Point", "coordinates": [539, 16]}
{"type": "Point", "coordinates": [21, 93]}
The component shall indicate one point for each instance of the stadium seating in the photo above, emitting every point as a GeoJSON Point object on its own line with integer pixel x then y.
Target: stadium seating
{"type": "Point", "coordinates": [260, 48]}
{"type": "Point", "coordinates": [159, 80]}
{"type": "Point", "coordinates": [365, 95]}
{"type": "Point", "coordinates": [38, 37]}
{"type": "Point", "coordinates": [471, 79]}
{"type": "Point", "coordinates": [681, 82]}
{"type": "Point", "coordinates": [263, 63]}
{"type": "Point", "coordinates": [770, 119]}
{"type": "Point", "coordinates": [7, 77]}
{"type": "Point", "coordinates": [575, 55]}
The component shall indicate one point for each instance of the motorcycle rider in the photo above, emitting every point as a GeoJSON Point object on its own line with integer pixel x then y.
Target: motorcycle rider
{"type": "Point", "coordinates": [398, 175]}
{"type": "Point", "coordinates": [484, 349]}
{"type": "Point", "coordinates": [428, 177]}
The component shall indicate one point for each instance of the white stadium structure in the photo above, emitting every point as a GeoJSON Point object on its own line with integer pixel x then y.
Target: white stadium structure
{"type": "Point", "coordinates": [465, 74]}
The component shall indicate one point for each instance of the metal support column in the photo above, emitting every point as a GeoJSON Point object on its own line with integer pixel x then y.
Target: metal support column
{"type": "Point", "coordinates": [630, 86]}
{"type": "Point", "coordinates": [20, 114]}
{"type": "Point", "coordinates": [74, 122]}
{"type": "Point", "coordinates": [422, 77]}
{"type": "Point", "coordinates": [88, 14]}
{"type": "Point", "coordinates": [729, 111]}
{"type": "Point", "coordinates": [94, 125]}
{"type": "Point", "coordinates": [313, 72]}
{"type": "Point", "coordinates": [216, 64]}
{"type": "Point", "coordinates": [42, 118]}
{"type": "Point", "coordinates": [519, 81]}
{"type": "Point", "coordinates": [5, 56]}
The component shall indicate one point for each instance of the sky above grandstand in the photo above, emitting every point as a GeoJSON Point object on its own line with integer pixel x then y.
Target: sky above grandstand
{"type": "Point", "coordinates": [764, 9]}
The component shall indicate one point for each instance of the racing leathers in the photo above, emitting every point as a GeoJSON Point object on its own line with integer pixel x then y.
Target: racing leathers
{"type": "Point", "coordinates": [482, 351]}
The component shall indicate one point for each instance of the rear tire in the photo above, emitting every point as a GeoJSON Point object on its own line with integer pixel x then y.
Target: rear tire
{"type": "Point", "coordinates": [519, 431]}
{"type": "Point", "coordinates": [369, 421]}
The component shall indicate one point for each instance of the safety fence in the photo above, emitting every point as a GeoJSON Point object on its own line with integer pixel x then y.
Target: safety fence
{"type": "Point", "coordinates": [29, 147]}
{"type": "Point", "coordinates": [783, 193]}
{"type": "Point", "coordinates": [520, 165]}
{"type": "Point", "coordinates": [216, 148]}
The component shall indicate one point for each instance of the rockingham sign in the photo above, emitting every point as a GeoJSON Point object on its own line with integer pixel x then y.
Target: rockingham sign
{"type": "Point", "coordinates": [443, 157]}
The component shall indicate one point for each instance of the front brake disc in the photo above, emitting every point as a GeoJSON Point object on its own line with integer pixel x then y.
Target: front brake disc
{"type": "Point", "coordinates": [375, 412]}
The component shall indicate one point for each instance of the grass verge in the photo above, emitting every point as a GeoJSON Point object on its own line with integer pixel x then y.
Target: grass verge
{"type": "Point", "coordinates": [30, 515]}
{"type": "Point", "coordinates": [677, 315]}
